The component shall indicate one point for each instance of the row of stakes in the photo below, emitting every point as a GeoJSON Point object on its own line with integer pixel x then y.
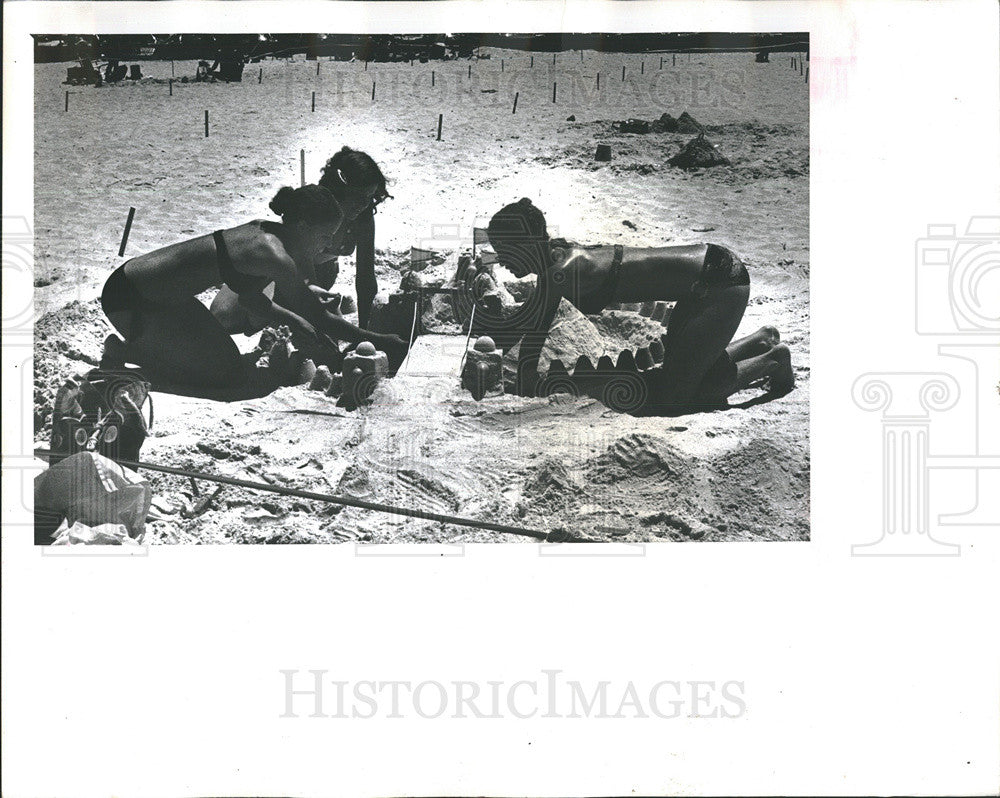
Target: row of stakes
{"type": "Point", "coordinates": [797, 63]}
{"type": "Point", "coordinates": [642, 70]}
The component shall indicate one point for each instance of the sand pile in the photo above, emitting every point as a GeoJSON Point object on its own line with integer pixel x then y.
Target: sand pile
{"type": "Point", "coordinates": [698, 154]}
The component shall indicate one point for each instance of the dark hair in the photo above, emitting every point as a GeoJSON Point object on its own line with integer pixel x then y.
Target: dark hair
{"type": "Point", "coordinates": [310, 204]}
{"type": "Point", "coordinates": [354, 169]}
{"type": "Point", "coordinates": [519, 235]}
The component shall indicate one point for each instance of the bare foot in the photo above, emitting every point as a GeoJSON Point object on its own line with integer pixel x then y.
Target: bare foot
{"type": "Point", "coordinates": [758, 343]}
{"type": "Point", "coordinates": [769, 335]}
{"type": "Point", "coordinates": [782, 379]}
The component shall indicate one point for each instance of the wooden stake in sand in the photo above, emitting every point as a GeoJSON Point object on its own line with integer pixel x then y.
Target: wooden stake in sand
{"type": "Point", "coordinates": [470, 71]}
{"type": "Point", "coordinates": [598, 81]}
{"type": "Point", "coordinates": [661, 62]}
{"type": "Point", "coordinates": [623, 72]}
{"type": "Point", "coordinates": [553, 59]}
{"type": "Point", "coordinates": [314, 101]}
{"type": "Point", "coordinates": [440, 120]}
{"type": "Point", "coordinates": [128, 228]}
{"type": "Point", "coordinates": [317, 67]}
{"type": "Point", "coordinates": [373, 91]}
{"type": "Point", "coordinates": [501, 65]}
{"type": "Point", "coordinates": [553, 91]}
{"type": "Point", "coordinates": [432, 77]}
{"type": "Point", "coordinates": [171, 68]}
{"type": "Point", "coordinates": [516, 95]}
{"type": "Point", "coordinates": [260, 75]}
{"type": "Point", "coordinates": [206, 124]}
{"type": "Point", "coordinates": [642, 68]}
{"type": "Point", "coordinates": [170, 84]}
{"type": "Point", "coordinates": [673, 59]}
{"type": "Point", "coordinates": [67, 101]}
{"type": "Point", "coordinates": [302, 167]}
{"type": "Point", "coordinates": [807, 74]}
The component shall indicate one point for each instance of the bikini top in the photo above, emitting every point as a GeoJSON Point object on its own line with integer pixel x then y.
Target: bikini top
{"type": "Point", "coordinates": [238, 281]}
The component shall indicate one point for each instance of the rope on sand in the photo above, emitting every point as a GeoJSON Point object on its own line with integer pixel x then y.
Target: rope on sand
{"type": "Point", "coordinates": [557, 536]}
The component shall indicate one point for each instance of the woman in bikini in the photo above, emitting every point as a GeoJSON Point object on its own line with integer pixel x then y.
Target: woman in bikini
{"type": "Point", "coordinates": [702, 364]}
{"type": "Point", "coordinates": [359, 187]}
{"type": "Point", "coordinates": [151, 300]}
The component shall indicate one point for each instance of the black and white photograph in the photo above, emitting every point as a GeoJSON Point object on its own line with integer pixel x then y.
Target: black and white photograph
{"type": "Point", "coordinates": [447, 288]}
{"type": "Point", "coordinates": [487, 306]}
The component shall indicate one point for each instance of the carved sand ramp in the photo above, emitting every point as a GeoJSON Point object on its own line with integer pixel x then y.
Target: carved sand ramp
{"type": "Point", "coordinates": [414, 451]}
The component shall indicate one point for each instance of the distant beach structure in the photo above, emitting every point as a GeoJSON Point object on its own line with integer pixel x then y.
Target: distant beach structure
{"type": "Point", "coordinates": [243, 48]}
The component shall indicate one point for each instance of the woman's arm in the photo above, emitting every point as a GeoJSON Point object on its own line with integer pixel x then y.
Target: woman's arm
{"type": "Point", "coordinates": [364, 280]}
{"type": "Point", "coordinates": [303, 302]}
{"type": "Point", "coordinates": [264, 309]}
{"type": "Point", "coordinates": [533, 340]}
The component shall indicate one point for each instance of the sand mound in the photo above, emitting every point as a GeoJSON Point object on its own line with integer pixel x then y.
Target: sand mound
{"type": "Point", "coordinates": [699, 153]}
{"type": "Point", "coordinates": [623, 329]}
{"type": "Point", "coordinates": [550, 488]}
{"type": "Point", "coordinates": [640, 126]}
{"type": "Point", "coordinates": [665, 124]}
{"type": "Point", "coordinates": [638, 455]}
{"type": "Point", "coordinates": [688, 124]}
{"type": "Point", "coordinates": [572, 335]}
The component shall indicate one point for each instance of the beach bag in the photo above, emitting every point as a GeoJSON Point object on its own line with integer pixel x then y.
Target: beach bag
{"type": "Point", "coordinates": [87, 498]}
{"type": "Point", "coordinates": [101, 412]}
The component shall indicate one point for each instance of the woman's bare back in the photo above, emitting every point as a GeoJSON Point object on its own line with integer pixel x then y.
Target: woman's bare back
{"type": "Point", "coordinates": [178, 271]}
{"type": "Point", "coordinates": [645, 274]}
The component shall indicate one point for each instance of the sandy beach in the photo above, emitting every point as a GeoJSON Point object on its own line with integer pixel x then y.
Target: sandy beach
{"type": "Point", "coordinates": [547, 463]}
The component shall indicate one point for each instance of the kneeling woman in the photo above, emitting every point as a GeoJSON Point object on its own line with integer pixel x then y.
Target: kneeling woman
{"type": "Point", "coordinates": [358, 185]}
{"type": "Point", "coordinates": [151, 300]}
{"type": "Point", "coordinates": [702, 364]}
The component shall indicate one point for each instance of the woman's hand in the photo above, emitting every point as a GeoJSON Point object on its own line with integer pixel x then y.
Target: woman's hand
{"type": "Point", "coordinates": [310, 333]}
{"type": "Point", "coordinates": [329, 299]}
{"type": "Point", "coordinates": [395, 349]}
